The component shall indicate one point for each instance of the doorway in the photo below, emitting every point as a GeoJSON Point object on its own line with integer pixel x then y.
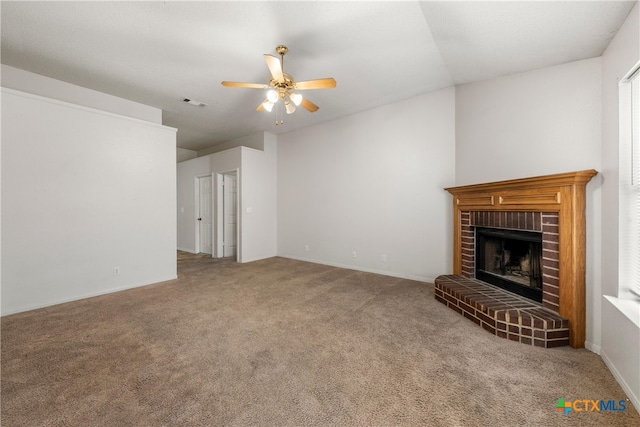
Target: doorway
{"type": "Point", "coordinates": [205, 215]}
{"type": "Point", "coordinates": [230, 212]}
{"type": "Point", "coordinates": [227, 221]}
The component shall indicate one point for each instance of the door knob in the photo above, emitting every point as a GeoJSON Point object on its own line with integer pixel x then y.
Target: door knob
{"type": "Point", "coordinates": [199, 219]}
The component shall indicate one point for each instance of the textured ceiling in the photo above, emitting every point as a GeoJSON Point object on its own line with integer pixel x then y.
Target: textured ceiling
{"type": "Point", "coordinates": [158, 53]}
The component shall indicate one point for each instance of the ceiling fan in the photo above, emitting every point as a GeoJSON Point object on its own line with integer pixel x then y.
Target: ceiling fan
{"type": "Point", "coordinates": [281, 86]}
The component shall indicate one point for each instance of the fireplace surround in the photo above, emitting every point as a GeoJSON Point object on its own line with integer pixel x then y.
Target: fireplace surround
{"type": "Point", "coordinates": [553, 205]}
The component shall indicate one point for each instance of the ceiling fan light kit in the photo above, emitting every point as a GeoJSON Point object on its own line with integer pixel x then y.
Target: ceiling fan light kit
{"type": "Point", "coordinates": [281, 86]}
{"type": "Point", "coordinates": [267, 105]}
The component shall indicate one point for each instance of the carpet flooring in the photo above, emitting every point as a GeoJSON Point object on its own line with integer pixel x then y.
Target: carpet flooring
{"type": "Point", "coordinates": [280, 342]}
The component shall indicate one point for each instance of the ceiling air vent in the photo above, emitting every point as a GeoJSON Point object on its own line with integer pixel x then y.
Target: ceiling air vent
{"type": "Point", "coordinates": [194, 102]}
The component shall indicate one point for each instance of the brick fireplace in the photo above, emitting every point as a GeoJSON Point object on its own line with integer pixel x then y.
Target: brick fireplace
{"type": "Point", "coordinates": [553, 205]}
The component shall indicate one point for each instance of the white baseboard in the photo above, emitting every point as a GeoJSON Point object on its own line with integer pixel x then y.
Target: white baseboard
{"type": "Point", "coordinates": [191, 251]}
{"type": "Point", "coordinates": [635, 400]}
{"type": "Point", "coordinates": [85, 296]}
{"type": "Point", "coordinates": [366, 270]}
{"type": "Point", "coordinates": [594, 348]}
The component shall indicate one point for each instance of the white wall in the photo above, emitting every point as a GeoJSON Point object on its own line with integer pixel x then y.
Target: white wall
{"type": "Point", "coordinates": [257, 191]}
{"type": "Point", "coordinates": [24, 81]}
{"type": "Point", "coordinates": [372, 183]}
{"type": "Point", "coordinates": [537, 123]}
{"type": "Point", "coordinates": [620, 335]}
{"type": "Point", "coordinates": [258, 177]}
{"type": "Point", "coordinates": [84, 191]}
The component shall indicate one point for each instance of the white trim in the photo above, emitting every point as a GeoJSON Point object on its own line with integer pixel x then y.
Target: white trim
{"type": "Point", "coordinates": [594, 348]}
{"type": "Point", "coordinates": [187, 250]}
{"type": "Point", "coordinates": [635, 400]}
{"type": "Point", "coordinates": [635, 69]}
{"type": "Point", "coordinates": [365, 270]}
{"type": "Point", "coordinates": [627, 189]}
{"type": "Point", "coordinates": [628, 307]}
{"type": "Point", "coordinates": [218, 249]}
{"type": "Point", "coordinates": [196, 206]}
{"type": "Point", "coordinates": [83, 108]}
{"type": "Point", "coordinates": [196, 212]}
{"type": "Point", "coordinates": [85, 296]}
{"type": "Point", "coordinates": [218, 234]}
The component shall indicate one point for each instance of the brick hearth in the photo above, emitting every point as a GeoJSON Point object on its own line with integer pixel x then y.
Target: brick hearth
{"type": "Point", "coordinates": [502, 313]}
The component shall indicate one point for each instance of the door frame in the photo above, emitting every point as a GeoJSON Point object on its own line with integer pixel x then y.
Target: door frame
{"type": "Point", "coordinates": [196, 210]}
{"type": "Point", "coordinates": [218, 217]}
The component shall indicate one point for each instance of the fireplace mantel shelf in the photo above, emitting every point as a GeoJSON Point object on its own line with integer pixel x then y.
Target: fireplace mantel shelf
{"type": "Point", "coordinates": [541, 193]}
{"type": "Point", "coordinates": [563, 194]}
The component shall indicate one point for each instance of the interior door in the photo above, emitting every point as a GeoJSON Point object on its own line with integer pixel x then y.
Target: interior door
{"type": "Point", "coordinates": [230, 214]}
{"type": "Point", "coordinates": [205, 217]}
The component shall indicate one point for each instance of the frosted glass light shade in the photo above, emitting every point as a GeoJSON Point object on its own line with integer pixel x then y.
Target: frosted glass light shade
{"type": "Point", "coordinates": [267, 105]}
{"type": "Point", "coordinates": [290, 107]}
{"type": "Point", "coordinates": [272, 96]}
{"type": "Point", "coordinates": [296, 98]}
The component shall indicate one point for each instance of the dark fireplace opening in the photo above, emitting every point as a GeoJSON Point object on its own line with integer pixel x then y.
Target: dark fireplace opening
{"type": "Point", "coordinates": [510, 259]}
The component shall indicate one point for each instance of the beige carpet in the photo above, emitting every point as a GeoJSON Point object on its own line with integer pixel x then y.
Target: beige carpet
{"type": "Point", "coordinates": [280, 342]}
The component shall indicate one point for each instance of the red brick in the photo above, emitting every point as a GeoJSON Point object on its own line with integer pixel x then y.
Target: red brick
{"type": "Point", "coordinates": [539, 343]}
{"type": "Point", "coordinates": [472, 318]}
{"type": "Point", "coordinates": [557, 343]}
{"type": "Point", "coordinates": [563, 333]}
{"type": "Point", "coordinates": [455, 308]}
{"type": "Point", "coordinates": [488, 328]}
{"type": "Point", "coordinates": [486, 319]}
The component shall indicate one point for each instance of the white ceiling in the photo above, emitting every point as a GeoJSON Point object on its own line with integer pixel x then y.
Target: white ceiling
{"type": "Point", "coordinates": [158, 53]}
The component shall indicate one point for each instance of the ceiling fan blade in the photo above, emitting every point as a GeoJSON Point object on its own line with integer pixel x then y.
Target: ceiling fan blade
{"type": "Point", "coordinates": [242, 84]}
{"type": "Point", "coordinates": [310, 106]}
{"type": "Point", "coordinates": [274, 67]}
{"type": "Point", "coordinates": [316, 84]}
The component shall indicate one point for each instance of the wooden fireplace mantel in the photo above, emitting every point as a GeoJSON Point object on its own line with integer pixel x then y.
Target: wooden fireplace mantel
{"type": "Point", "coordinates": [562, 193]}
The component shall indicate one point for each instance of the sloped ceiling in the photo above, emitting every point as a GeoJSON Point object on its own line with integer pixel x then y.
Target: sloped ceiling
{"type": "Point", "coordinates": [159, 53]}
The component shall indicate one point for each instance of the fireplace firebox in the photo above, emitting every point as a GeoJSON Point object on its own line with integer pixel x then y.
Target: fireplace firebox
{"type": "Point", "coordinates": [510, 259]}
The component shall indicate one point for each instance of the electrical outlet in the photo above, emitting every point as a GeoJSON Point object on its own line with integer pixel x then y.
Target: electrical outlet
{"type": "Point", "coordinates": [354, 254]}
{"type": "Point", "coordinates": [116, 271]}
{"type": "Point", "coordinates": [383, 258]}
